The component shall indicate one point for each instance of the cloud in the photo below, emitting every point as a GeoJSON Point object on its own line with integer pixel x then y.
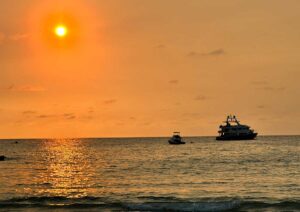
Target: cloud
{"type": "Point", "coordinates": [201, 98]}
{"type": "Point", "coordinates": [69, 116]}
{"type": "Point", "coordinates": [18, 36]}
{"type": "Point", "coordinates": [173, 81]}
{"type": "Point", "coordinates": [14, 37]}
{"type": "Point", "coordinates": [25, 88]}
{"type": "Point", "coordinates": [160, 46]}
{"type": "Point", "coordinates": [264, 85]}
{"type": "Point", "coordinates": [269, 88]}
{"type": "Point", "coordinates": [217, 52]}
{"type": "Point", "coordinates": [282, 88]}
{"type": "Point", "coordinates": [45, 116]}
{"type": "Point", "coordinates": [110, 101]}
{"type": "Point", "coordinates": [87, 117]}
{"type": "Point", "coordinates": [91, 110]}
{"type": "Point", "coordinates": [29, 112]}
{"type": "Point", "coordinates": [147, 123]}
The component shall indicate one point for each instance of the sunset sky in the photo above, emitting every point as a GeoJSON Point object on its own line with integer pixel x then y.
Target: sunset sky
{"type": "Point", "coordinates": [148, 67]}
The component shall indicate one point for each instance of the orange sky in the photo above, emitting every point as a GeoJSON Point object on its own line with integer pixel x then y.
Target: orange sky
{"type": "Point", "coordinates": [148, 68]}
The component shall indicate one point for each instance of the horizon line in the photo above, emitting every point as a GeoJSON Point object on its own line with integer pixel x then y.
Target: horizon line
{"type": "Point", "coordinates": [124, 137]}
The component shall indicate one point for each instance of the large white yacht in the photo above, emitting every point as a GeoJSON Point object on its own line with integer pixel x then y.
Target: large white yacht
{"type": "Point", "coordinates": [233, 130]}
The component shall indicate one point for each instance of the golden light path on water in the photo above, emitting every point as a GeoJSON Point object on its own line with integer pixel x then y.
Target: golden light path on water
{"type": "Point", "coordinates": [72, 168]}
{"type": "Point", "coordinates": [69, 168]}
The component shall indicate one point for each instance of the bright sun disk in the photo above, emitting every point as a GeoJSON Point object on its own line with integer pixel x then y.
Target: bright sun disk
{"type": "Point", "coordinates": [61, 31]}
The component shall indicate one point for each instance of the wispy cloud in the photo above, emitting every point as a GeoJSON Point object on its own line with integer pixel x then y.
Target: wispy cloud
{"type": "Point", "coordinates": [29, 112]}
{"type": "Point", "coordinates": [201, 98]}
{"type": "Point", "coordinates": [25, 88]}
{"type": "Point", "coordinates": [160, 46]}
{"type": "Point", "coordinates": [89, 115]}
{"type": "Point", "coordinates": [147, 123]}
{"type": "Point", "coordinates": [264, 85]}
{"type": "Point", "coordinates": [120, 123]}
{"type": "Point", "coordinates": [43, 116]}
{"type": "Point", "coordinates": [217, 52]}
{"type": "Point", "coordinates": [173, 81]}
{"type": "Point", "coordinates": [270, 88]}
{"type": "Point", "coordinates": [18, 36]}
{"type": "Point", "coordinates": [67, 116]}
{"type": "Point", "coordinates": [110, 101]}
{"type": "Point", "coordinates": [13, 37]}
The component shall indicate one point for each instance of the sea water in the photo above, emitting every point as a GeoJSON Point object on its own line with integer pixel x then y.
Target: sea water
{"type": "Point", "coordinates": [148, 174]}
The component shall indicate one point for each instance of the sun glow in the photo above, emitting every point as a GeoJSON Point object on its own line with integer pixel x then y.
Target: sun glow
{"type": "Point", "coordinates": [66, 28]}
{"type": "Point", "coordinates": [61, 31]}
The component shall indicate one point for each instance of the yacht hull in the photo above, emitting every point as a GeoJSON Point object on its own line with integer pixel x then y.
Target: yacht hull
{"type": "Point", "coordinates": [237, 137]}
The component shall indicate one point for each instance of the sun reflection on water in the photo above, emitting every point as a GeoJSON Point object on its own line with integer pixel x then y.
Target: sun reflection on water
{"type": "Point", "coordinates": [68, 168]}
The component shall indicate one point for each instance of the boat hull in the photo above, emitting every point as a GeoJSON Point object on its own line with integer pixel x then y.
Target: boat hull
{"type": "Point", "coordinates": [237, 137]}
{"type": "Point", "coordinates": [176, 142]}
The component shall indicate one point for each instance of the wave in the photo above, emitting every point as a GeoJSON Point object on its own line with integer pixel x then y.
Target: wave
{"type": "Point", "coordinates": [215, 206]}
{"type": "Point", "coordinates": [186, 206]}
{"type": "Point", "coordinates": [158, 204]}
{"type": "Point", "coordinates": [60, 202]}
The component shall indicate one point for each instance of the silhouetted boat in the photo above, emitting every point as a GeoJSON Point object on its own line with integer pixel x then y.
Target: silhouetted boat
{"type": "Point", "coordinates": [233, 130]}
{"type": "Point", "coordinates": [176, 139]}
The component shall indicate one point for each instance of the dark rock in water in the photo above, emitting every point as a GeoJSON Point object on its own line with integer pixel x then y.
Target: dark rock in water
{"type": "Point", "coordinates": [2, 157]}
{"type": "Point", "coordinates": [16, 142]}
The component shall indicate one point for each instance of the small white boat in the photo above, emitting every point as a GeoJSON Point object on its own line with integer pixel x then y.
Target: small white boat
{"type": "Point", "coordinates": [176, 139]}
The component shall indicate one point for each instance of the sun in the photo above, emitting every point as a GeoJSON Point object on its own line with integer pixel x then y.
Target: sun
{"type": "Point", "coordinates": [61, 31]}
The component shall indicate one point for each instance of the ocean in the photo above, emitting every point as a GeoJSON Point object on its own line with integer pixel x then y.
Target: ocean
{"type": "Point", "coordinates": [148, 174]}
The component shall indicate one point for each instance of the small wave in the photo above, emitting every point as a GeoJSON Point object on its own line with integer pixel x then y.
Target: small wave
{"type": "Point", "coordinates": [234, 205]}
{"type": "Point", "coordinates": [161, 199]}
{"type": "Point", "coordinates": [34, 199]}
{"type": "Point", "coordinates": [35, 184]}
{"type": "Point", "coordinates": [186, 206]}
{"type": "Point", "coordinates": [6, 158]}
{"type": "Point", "coordinates": [57, 202]}
{"type": "Point", "coordinates": [160, 204]}
{"type": "Point", "coordinates": [275, 206]}
{"type": "Point", "coordinates": [73, 205]}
